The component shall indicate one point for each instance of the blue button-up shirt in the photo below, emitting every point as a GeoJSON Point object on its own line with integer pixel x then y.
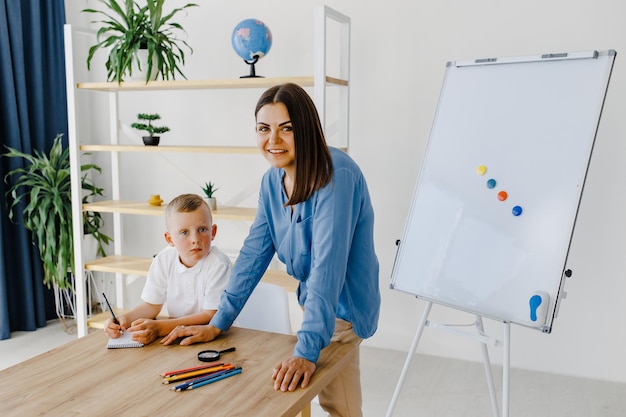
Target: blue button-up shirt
{"type": "Point", "coordinates": [326, 243]}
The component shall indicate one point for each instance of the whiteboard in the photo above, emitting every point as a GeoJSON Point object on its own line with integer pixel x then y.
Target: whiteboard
{"type": "Point", "coordinates": [523, 126]}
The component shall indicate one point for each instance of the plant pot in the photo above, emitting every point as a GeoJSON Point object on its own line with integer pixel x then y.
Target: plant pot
{"type": "Point", "coordinates": [151, 140]}
{"type": "Point", "coordinates": [212, 201]}
{"type": "Point", "coordinates": [140, 74]}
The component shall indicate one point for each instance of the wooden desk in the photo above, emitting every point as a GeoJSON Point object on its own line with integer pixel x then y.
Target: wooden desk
{"type": "Point", "coordinates": [84, 378]}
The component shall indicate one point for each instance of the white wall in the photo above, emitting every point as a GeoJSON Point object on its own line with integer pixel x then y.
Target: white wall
{"type": "Point", "coordinates": [399, 51]}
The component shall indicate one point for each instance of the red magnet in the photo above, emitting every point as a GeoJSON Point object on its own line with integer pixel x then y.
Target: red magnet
{"type": "Point", "coordinates": [502, 195]}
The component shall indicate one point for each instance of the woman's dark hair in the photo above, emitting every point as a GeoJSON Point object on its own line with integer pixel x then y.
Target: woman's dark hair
{"type": "Point", "coordinates": [314, 166]}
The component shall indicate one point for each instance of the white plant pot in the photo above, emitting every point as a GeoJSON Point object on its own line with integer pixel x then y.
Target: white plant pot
{"type": "Point", "coordinates": [140, 75]}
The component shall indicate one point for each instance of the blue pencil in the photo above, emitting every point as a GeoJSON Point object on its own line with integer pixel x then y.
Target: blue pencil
{"type": "Point", "coordinates": [211, 380]}
{"type": "Point", "coordinates": [201, 378]}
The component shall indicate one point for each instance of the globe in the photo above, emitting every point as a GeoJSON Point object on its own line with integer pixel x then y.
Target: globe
{"type": "Point", "coordinates": [251, 40]}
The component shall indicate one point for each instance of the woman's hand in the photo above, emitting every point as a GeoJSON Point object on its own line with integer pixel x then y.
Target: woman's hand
{"type": "Point", "coordinates": [192, 334]}
{"type": "Point", "coordinates": [288, 373]}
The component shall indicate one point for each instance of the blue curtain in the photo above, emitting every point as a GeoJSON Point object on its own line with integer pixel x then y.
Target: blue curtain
{"type": "Point", "coordinates": [32, 111]}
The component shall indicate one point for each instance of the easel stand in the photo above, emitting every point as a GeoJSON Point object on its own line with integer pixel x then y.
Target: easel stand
{"type": "Point", "coordinates": [481, 338]}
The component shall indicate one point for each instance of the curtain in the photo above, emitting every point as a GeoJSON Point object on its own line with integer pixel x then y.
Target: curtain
{"type": "Point", "coordinates": [32, 111]}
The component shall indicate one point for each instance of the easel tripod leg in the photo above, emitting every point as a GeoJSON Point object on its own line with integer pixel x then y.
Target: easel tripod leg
{"type": "Point", "coordinates": [506, 366]}
{"type": "Point", "coordinates": [487, 364]}
{"type": "Point", "coordinates": [409, 358]}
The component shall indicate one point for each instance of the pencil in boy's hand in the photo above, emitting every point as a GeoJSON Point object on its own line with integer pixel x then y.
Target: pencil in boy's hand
{"type": "Point", "coordinates": [110, 309]}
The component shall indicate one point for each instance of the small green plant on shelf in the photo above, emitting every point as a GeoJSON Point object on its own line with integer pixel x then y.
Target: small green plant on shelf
{"type": "Point", "coordinates": [151, 139]}
{"type": "Point", "coordinates": [209, 188]}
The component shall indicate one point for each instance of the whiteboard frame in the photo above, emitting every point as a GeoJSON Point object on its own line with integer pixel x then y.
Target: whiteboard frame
{"type": "Point", "coordinates": [399, 282]}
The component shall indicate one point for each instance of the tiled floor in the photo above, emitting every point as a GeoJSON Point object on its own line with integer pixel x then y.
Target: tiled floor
{"type": "Point", "coordinates": [435, 387]}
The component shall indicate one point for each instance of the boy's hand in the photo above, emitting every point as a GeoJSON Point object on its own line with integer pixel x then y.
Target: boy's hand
{"type": "Point", "coordinates": [145, 330]}
{"type": "Point", "coordinates": [115, 330]}
{"type": "Point", "coordinates": [192, 334]}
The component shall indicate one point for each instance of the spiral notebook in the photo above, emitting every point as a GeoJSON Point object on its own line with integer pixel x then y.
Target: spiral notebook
{"type": "Point", "coordinates": [124, 341]}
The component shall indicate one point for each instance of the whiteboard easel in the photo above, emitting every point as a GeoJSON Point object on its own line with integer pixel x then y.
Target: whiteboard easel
{"type": "Point", "coordinates": [494, 209]}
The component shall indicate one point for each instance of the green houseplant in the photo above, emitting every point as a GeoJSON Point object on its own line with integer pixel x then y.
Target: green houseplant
{"type": "Point", "coordinates": [209, 189]}
{"type": "Point", "coordinates": [151, 140]}
{"type": "Point", "coordinates": [126, 28]}
{"type": "Point", "coordinates": [43, 186]}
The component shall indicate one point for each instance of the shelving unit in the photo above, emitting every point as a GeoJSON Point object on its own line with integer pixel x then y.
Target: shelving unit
{"type": "Point", "coordinates": [125, 265]}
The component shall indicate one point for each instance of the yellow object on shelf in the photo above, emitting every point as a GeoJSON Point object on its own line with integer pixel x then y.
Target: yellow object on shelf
{"type": "Point", "coordinates": [155, 200]}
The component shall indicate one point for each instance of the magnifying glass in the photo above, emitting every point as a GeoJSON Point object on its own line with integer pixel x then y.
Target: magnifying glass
{"type": "Point", "coordinates": [212, 355]}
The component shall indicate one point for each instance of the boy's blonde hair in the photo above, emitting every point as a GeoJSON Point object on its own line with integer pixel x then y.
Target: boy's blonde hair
{"type": "Point", "coordinates": [185, 203]}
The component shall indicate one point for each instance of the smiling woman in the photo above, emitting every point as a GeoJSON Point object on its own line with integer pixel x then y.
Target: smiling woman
{"type": "Point", "coordinates": [315, 214]}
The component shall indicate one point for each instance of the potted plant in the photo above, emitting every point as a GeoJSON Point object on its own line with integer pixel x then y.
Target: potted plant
{"type": "Point", "coordinates": [43, 186]}
{"type": "Point", "coordinates": [127, 28]}
{"type": "Point", "coordinates": [150, 140]}
{"type": "Point", "coordinates": [209, 188]}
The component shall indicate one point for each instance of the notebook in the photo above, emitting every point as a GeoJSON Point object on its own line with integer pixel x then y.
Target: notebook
{"type": "Point", "coordinates": [124, 341]}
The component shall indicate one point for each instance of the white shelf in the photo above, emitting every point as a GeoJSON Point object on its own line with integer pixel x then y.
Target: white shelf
{"type": "Point", "coordinates": [231, 83]}
{"type": "Point", "coordinates": [120, 264]}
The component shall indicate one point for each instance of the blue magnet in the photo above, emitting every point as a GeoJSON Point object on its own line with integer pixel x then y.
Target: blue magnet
{"type": "Point", "coordinates": [538, 304]}
{"type": "Point", "coordinates": [517, 210]}
{"type": "Point", "coordinates": [491, 183]}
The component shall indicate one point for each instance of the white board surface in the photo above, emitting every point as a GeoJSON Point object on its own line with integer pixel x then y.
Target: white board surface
{"type": "Point", "coordinates": [529, 125]}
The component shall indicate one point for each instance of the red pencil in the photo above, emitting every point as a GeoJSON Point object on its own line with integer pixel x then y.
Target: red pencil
{"type": "Point", "coordinates": [182, 371]}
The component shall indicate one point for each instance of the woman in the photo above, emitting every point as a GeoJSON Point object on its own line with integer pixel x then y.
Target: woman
{"type": "Point", "coordinates": [315, 213]}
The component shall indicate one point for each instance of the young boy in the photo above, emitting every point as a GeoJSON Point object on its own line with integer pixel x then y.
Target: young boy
{"type": "Point", "coordinates": [189, 276]}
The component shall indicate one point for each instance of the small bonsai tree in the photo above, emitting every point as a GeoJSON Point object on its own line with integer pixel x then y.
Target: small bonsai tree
{"type": "Point", "coordinates": [148, 127]}
{"type": "Point", "coordinates": [209, 188]}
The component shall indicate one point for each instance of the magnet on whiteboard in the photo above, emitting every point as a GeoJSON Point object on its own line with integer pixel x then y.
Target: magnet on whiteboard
{"type": "Point", "coordinates": [538, 304]}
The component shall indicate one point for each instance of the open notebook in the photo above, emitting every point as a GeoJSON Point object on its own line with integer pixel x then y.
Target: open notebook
{"type": "Point", "coordinates": [124, 341]}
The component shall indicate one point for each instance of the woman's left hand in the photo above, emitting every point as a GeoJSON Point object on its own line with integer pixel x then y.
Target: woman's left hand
{"type": "Point", "coordinates": [288, 373]}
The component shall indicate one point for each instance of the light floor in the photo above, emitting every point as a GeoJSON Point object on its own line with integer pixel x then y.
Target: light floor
{"type": "Point", "coordinates": [435, 387]}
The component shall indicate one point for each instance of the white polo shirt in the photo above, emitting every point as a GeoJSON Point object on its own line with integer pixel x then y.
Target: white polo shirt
{"type": "Point", "coordinates": [184, 290]}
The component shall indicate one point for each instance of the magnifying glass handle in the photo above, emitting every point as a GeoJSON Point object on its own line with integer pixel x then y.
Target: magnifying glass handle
{"type": "Point", "coordinates": [232, 349]}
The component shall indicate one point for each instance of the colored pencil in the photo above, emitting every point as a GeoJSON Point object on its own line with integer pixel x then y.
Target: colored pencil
{"type": "Point", "coordinates": [211, 380]}
{"type": "Point", "coordinates": [187, 375]}
{"type": "Point", "coordinates": [203, 378]}
{"type": "Point", "coordinates": [195, 368]}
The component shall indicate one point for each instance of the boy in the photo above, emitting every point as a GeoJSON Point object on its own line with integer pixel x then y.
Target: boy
{"type": "Point", "coordinates": [189, 275]}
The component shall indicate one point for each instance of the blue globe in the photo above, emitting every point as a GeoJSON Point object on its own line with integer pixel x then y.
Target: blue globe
{"type": "Point", "coordinates": [251, 38]}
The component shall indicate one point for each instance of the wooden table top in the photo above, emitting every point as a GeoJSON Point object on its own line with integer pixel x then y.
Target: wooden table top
{"type": "Point", "coordinates": [84, 378]}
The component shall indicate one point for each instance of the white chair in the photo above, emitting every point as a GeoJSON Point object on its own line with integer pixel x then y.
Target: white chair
{"type": "Point", "coordinates": [267, 309]}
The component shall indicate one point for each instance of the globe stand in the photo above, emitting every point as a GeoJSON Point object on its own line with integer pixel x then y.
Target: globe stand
{"type": "Point", "coordinates": [252, 70]}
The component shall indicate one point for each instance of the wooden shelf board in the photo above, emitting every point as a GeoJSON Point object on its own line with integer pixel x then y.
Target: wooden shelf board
{"type": "Point", "coordinates": [97, 321]}
{"type": "Point", "coordinates": [252, 150]}
{"type": "Point", "coordinates": [140, 266]}
{"type": "Point", "coordinates": [136, 207]}
{"type": "Point", "coordinates": [306, 81]}
{"type": "Point", "coordinates": [120, 264]}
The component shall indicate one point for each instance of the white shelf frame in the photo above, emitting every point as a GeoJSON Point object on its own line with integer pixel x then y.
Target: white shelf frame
{"type": "Point", "coordinates": [319, 81]}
